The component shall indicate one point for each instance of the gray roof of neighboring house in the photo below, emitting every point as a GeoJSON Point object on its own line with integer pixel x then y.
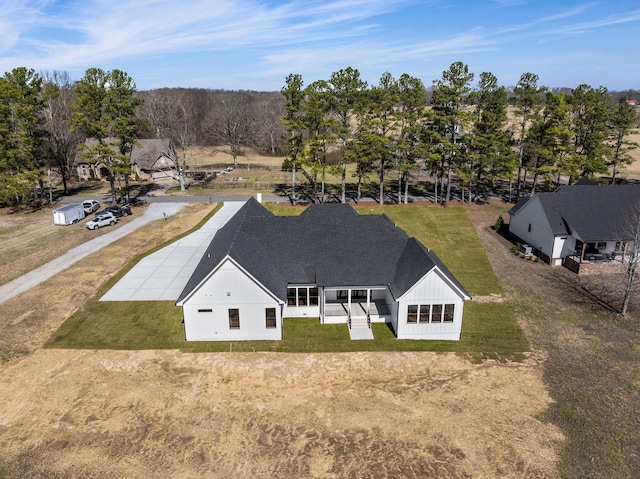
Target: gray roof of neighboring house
{"type": "Point", "coordinates": [327, 245]}
{"type": "Point", "coordinates": [145, 153]}
{"type": "Point", "coordinates": [595, 213]}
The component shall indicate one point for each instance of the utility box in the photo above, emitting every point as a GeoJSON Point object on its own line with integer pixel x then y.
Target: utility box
{"type": "Point", "coordinates": [68, 215]}
{"type": "Point", "coordinates": [526, 249]}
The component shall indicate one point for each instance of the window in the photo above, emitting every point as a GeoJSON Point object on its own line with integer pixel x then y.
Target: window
{"type": "Point", "coordinates": [425, 313]}
{"type": "Point", "coordinates": [313, 296]}
{"type": "Point", "coordinates": [601, 245]}
{"type": "Point", "coordinates": [412, 313]}
{"type": "Point", "coordinates": [436, 313]}
{"type": "Point", "coordinates": [448, 313]}
{"type": "Point", "coordinates": [205, 310]}
{"type": "Point", "coordinates": [291, 296]}
{"type": "Point", "coordinates": [430, 313]}
{"type": "Point", "coordinates": [234, 318]}
{"type": "Point", "coordinates": [302, 296]}
{"type": "Point", "coordinates": [355, 294]}
{"type": "Point", "coordinates": [270, 317]}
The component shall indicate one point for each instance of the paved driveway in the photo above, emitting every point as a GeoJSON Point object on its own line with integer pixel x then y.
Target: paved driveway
{"type": "Point", "coordinates": [46, 271]}
{"type": "Point", "coordinates": [163, 275]}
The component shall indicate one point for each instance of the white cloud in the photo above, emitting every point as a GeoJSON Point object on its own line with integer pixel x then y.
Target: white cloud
{"type": "Point", "coordinates": [267, 39]}
{"type": "Point", "coordinates": [119, 29]}
{"type": "Point", "coordinates": [607, 21]}
{"type": "Point", "coordinates": [17, 17]}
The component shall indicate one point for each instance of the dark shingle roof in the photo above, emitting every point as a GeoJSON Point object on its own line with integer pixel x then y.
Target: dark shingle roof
{"type": "Point", "coordinates": [145, 153]}
{"type": "Point", "coordinates": [594, 213]}
{"type": "Point", "coordinates": [326, 245]}
{"type": "Point", "coordinates": [415, 261]}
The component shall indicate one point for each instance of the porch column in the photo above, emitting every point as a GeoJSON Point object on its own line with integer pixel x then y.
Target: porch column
{"type": "Point", "coordinates": [349, 302]}
{"type": "Point", "coordinates": [368, 300]}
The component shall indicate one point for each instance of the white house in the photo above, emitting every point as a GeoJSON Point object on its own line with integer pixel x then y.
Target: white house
{"type": "Point", "coordinates": [578, 224]}
{"type": "Point", "coordinates": [329, 263]}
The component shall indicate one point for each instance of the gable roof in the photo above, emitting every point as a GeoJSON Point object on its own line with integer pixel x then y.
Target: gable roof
{"type": "Point", "coordinates": [326, 245]}
{"type": "Point", "coordinates": [593, 213]}
{"type": "Point", "coordinates": [416, 261]}
{"type": "Point", "coordinates": [145, 153]}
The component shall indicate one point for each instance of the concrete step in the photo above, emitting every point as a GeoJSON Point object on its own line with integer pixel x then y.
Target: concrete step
{"type": "Point", "coordinates": [359, 322]}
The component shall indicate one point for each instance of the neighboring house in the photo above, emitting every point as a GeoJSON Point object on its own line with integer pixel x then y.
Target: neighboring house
{"type": "Point", "coordinates": [329, 263]}
{"type": "Point", "coordinates": [149, 160]}
{"type": "Point", "coordinates": [579, 225]}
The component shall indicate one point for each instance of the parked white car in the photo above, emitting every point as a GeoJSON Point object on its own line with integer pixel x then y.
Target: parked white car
{"type": "Point", "coordinates": [104, 219]}
{"type": "Point", "coordinates": [90, 206]}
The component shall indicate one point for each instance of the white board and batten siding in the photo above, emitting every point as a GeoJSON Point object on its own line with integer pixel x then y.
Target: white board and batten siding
{"type": "Point", "coordinates": [434, 288]}
{"type": "Point", "coordinates": [562, 246]}
{"type": "Point", "coordinates": [393, 310]}
{"type": "Point", "coordinates": [206, 310]}
{"type": "Point", "coordinates": [531, 225]}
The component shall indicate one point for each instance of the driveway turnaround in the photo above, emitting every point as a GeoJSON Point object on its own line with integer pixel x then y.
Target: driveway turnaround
{"type": "Point", "coordinates": [162, 275]}
{"type": "Point", "coordinates": [46, 271]}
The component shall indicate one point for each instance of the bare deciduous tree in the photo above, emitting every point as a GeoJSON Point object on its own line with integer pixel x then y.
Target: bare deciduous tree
{"type": "Point", "coordinates": [179, 171]}
{"type": "Point", "coordinates": [59, 150]}
{"type": "Point", "coordinates": [231, 122]}
{"type": "Point", "coordinates": [631, 232]}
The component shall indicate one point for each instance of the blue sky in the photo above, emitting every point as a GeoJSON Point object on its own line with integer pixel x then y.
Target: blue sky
{"type": "Point", "coordinates": [255, 44]}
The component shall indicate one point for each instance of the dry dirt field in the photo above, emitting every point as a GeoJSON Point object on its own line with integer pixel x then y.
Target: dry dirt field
{"type": "Point", "coordinates": [170, 414]}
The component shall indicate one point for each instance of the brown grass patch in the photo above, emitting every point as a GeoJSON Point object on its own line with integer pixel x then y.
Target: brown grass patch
{"type": "Point", "coordinates": [30, 318]}
{"type": "Point", "coordinates": [30, 239]}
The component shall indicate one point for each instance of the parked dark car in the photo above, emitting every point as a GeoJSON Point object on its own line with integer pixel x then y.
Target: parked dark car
{"type": "Point", "coordinates": [116, 210]}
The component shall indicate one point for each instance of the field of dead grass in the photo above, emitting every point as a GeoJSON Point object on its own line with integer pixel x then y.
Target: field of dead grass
{"type": "Point", "coordinates": [30, 239]}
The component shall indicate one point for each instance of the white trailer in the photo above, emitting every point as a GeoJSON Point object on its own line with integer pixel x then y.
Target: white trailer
{"type": "Point", "coordinates": [68, 214]}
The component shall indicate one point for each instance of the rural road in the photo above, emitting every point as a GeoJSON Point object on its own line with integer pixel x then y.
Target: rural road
{"type": "Point", "coordinates": [33, 278]}
{"type": "Point", "coordinates": [153, 199]}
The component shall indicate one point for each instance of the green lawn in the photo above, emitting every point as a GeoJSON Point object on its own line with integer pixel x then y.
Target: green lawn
{"type": "Point", "coordinates": [450, 234]}
{"type": "Point", "coordinates": [490, 330]}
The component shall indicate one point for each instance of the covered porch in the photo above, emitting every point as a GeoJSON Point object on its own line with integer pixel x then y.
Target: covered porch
{"type": "Point", "coordinates": [598, 257]}
{"type": "Point", "coordinates": [356, 307]}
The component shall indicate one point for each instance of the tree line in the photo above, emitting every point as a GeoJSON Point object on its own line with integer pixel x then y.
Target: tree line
{"type": "Point", "coordinates": [46, 117]}
{"type": "Point", "coordinates": [458, 132]}
{"type": "Point", "coordinates": [471, 136]}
